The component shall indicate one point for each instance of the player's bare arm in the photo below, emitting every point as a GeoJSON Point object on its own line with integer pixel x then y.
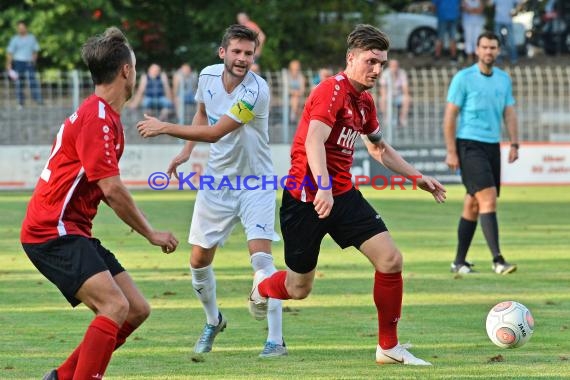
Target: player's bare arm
{"type": "Point", "coordinates": [317, 135]}
{"type": "Point", "coordinates": [449, 128]}
{"type": "Point", "coordinates": [151, 127]}
{"type": "Point", "coordinates": [200, 118]}
{"type": "Point", "coordinates": [8, 62]}
{"type": "Point", "coordinates": [120, 200]}
{"type": "Point", "coordinates": [382, 152]}
{"type": "Point", "coordinates": [511, 121]}
{"type": "Point", "coordinates": [180, 158]}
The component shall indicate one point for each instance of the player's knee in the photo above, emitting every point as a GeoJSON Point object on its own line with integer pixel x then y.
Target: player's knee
{"type": "Point", "coordinates": [488, 205]}
{"type": "Point", "coordinates": [471, 209]}
{"type": "Point", "coordinates": [300, 292]}
{"type": "Point", "coordinates": [474, 208]}
{"type": "Point", "coordinates": [397, 262]}
{"type": "Point", "coordinates": [122, 309]}
{"type": "Point", "coordinates": [139, 312]}
{"type": "Point", "coordinates": [197, 262]}
{"type": "Point", "coordinates": [201, 257]}
{"type": "Point", "coordinates": [116, 308]}
{"type": "Point", "coordinates": [391, 262]}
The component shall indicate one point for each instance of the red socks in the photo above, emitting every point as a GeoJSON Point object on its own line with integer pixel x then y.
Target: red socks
{"type": "Point", "coordinates": [124, 332]}
{"type": "Point", "coordinates": [96, 348]}
{"type": "Point", "coordinates": [67, 369]}
{"type": "Point", "coordinates": [91, 357]}
{"type": "Point", "coordinates": [274, 286]}
{"type": "Point", "coordinates": [388, 291]}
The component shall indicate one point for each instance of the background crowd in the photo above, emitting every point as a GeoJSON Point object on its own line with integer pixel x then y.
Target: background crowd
{"type": "Point", "coordinates": [168, 92]}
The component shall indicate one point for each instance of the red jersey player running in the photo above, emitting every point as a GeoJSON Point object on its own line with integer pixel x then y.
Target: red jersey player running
{"type": "Point", "coordinates": [81, 171]}
{"type": "Point", "coordinates": [337, 111]}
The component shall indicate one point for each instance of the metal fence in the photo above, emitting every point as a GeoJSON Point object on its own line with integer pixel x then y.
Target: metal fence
{"type": "Point", "coordinates": [542, 95]}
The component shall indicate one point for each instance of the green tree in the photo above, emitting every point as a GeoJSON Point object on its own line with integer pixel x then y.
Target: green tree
{"type": "Point", "coordinates": [175, 31]}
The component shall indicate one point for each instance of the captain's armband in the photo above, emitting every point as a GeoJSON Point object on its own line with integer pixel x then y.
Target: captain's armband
{"type": "Point", "coordinates": [242, 111]}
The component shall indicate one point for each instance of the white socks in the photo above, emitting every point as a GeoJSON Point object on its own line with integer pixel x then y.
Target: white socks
{"type": "Point", "coordinates": [264, 261]}
{"type": "Point", "coordinates": [204, 284]}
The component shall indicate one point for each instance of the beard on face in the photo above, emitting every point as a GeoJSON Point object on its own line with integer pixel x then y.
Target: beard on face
{"type": "Point", "coordinates": [229, 69]}
{"type": "Point", "coordinates": [488, 60]}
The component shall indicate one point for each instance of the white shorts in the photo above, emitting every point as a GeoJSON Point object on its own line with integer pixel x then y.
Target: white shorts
{"type": "Point", "coordinates": [216, 212]}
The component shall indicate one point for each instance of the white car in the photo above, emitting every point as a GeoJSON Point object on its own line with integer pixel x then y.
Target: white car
{"type": "Point", "coordinates": [415, 29]}
{"type": "Point", "coordinates": [413, 32]}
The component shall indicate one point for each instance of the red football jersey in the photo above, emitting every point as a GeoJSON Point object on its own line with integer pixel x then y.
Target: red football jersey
{"type": "Point", "coordinates": [349, 113]}
{"type": "Point", "coordinates": [87, 148]}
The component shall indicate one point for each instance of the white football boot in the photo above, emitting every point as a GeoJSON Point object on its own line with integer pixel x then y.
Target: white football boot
{"type": "Point", "coordinates": [398, 355]}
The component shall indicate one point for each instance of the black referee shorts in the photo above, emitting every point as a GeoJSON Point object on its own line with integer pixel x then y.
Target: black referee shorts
{"type": "Point", "coordinates": [352, 221]}
{"type": "Point", "coordinates": [480, 165]}
{"type": "Point", "coordinates": [70, 260]}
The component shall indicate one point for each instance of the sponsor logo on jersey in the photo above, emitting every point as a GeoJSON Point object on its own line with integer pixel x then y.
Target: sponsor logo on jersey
{"type": "Point", "coordinates": [347, 138]}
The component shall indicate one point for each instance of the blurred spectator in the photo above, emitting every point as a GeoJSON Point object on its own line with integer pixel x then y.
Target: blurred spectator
{"type": "Point", "coordinates": [296, 85]}
{"type": "Point", "coordinates": [447, 12]}
{"type": "Point", "coordinates": [504, 12]}
{"type": "Point", "coordinates": [554, 30]}
{"type": "Point", "coordinates": [255, 68]}
{"type": "Point", "coordinates": [394, 83]}
{"type": "Point", "coordinates": [21, 58]}
{"type": "Point", "coordinates": [473, 22]}
{"type": "Point", "coordinates": [243, 19]}
{"type": "Point", "coordinates": [155, 93]}
{"type": "Point", "coordinates": [184, 85]}
{"type": "Point", "coordinates": [322, 74]}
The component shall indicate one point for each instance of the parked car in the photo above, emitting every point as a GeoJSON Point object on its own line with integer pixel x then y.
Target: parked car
{"type": "Point", "coordinates": [415, 29]}
{"type": "Point", "coordinates": [413, 32]}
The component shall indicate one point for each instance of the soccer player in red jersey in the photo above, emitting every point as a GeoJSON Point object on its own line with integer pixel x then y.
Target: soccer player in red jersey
{"type": "Point", "coordinates": [82, 170]}
{"type": "Point", "coordinates": [320, 198]}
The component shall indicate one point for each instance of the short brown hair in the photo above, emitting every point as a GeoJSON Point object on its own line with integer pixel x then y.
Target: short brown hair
{"type": "Point", "coordinates": [367, 37]}
{"type": "Point", "coordinates": [239, 32]}
{"type": "Point", "coordinates": [490, 36]}
{"type": "Point", "coordinates": [105, 54]}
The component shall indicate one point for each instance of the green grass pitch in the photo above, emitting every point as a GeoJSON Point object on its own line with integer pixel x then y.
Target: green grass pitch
{"type": "Point", "coordinates": [332, 334]}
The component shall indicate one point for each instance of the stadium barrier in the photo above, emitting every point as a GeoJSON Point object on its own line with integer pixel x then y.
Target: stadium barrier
{"type": "Point", "coordinates": [540, 164]}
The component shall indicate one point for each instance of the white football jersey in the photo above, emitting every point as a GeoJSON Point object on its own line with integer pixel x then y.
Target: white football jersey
{"type": "Point", "coordinates": [245, 151]}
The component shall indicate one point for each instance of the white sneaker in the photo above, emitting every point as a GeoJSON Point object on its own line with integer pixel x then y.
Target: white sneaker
{"type": "Point", "coordinates": [463, 268]}
{"type": "Point", "coordinates": [258, 303]}
{"type": "Point", "coordinates": [398, 355]}
{"type": "Point", "coordinates": [504, 268]}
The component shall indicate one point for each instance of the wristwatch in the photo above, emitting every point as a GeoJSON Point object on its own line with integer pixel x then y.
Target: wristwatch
{"type": "Point", "coordinates": [515, 145]}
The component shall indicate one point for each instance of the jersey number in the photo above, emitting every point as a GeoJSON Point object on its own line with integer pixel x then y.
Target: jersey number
{"type": "Point", "coordinates": [46, 172]}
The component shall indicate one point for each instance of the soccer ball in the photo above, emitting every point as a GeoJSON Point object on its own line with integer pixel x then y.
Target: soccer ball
{"type": "Point", "coordinates": [509, 324]}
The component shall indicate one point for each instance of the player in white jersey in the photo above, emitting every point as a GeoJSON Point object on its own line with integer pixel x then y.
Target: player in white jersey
{"type": "Point", "coordinates": [243, 151]}
{"type": "Point", "coordinates": [233, 115]}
